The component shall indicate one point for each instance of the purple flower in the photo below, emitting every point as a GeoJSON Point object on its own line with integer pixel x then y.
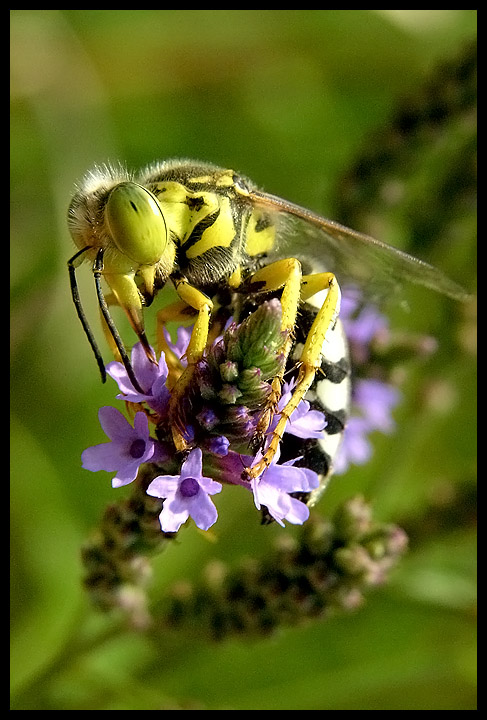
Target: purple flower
{"type": "Point", "coordinates": [272, 489]}
{"type": "Point", "coordinates": [361, 328]}
{"type": "Point", "coordinates": [129, 447]}
{"type": "Point", "coordinates": [186, 495]}
{"type": "Point", "coordinates": [218, 445]}
{"type": "Point", "coordinates": [372, 400]}
{"type": "Point", "coordinates": [303, 423]}
{"type": "Point", "coordinates": [376, 400]}
{"type": "Point", "coordinates": [362, 324]}
{"type": "Point", "coordinates": [183, 335]}
{"type": "Point", "coordinates": [152, 378]}
{"type": "Point", "coordinates": [355, 448]}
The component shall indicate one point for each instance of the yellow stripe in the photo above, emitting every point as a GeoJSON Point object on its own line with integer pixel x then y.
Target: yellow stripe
{"type": "Point", "coordinates": [259, 241]}
{"type": "Point", "coordinates": [220, 234]}
{"type": "Point", "coordinates": [181, 216]}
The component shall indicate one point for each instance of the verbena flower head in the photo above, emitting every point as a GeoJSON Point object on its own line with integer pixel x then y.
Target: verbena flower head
{"type": "Point", "coordinates": [221, 414]}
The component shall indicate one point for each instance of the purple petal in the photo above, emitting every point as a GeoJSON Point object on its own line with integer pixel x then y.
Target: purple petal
{"type": "Point", "coordinates": [308, 425]}
{"type": "Point", "coordinates": [117, 371]}
{"type": "Point", "coordinates": [298, 512]}
{"type": "Point", "coordinates": [172, 516]}
{"type": "Point", "coordinates": [159, 399]}
{"type": "Point", "coordinates": [312, 479]}
{"type": "Point", "coordinates": [303, 423]}
{"type": "Point", "coordinates": [101, 457]}
{"type": "Point", "coordinates": [289, 478]}
{"type": "Point", "coordinates": [355, 447]}
{"type": "Point", "coordinates": [377, 399]}
{"type": "Point", "coordinates": [181, 344]}
{"type": "Point", "coordinates": [141, 425]}
{"type": "Point", "coordinates": [366, 326]}
{"type": "Point", "coordinates": [350, 302]}
{"type": "Point", "coordinates": [146, 372]}
{"type": "Point", "coordinates": [192, 466]}
{"type": "Point", "coordinates": [126, 475]}
{"type": "Point", "coordinates": [164, 486]}
{"type": "Point", "coordinates": [209, 486]}
{"type": "Point", "coordinates": [278, 503]}
{"type": "Point", "coordinates": [114, 424]}
{"type": "Point", "coordinates": [264, 494]}
{"type": "Point", "coordinates": [203, 511]}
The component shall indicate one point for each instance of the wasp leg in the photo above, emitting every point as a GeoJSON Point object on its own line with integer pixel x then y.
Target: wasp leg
{"type": "Point", "coordinates": [199, 338]}
{"type": "Point", "coordinates": [177, 311]}
{"type": "Point", "coordinates": [309, 361]}
{"type": "Point", "coordinates": [126, 295]}
{"type": "Point", "coordinates": [284, 274]}
{"type": "Point", "coordinates": [112, 335]}
{"type": "Point", "coordinates": [110, 300]}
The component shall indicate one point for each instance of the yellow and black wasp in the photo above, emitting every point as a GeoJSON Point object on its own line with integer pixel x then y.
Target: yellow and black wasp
{"type": "Point", "coordinates": [208, 229]}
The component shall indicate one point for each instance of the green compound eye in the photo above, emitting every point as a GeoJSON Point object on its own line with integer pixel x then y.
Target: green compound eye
{"type": "Point", "coordinates": [136, 223]}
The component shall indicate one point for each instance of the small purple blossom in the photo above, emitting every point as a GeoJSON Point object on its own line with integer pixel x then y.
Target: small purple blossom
{"type": "Point", "coordinates": [129, 447]}
{"type": "Point", "coordinates": [355, 448]}
{"type": "Point", "coordinates": [372, 400]}
{"type": "Point", "coordinates": [362, 324]}
{"type": "Point", "coordinates": [186, 495]}
{"type": "Point", "coordinates": [304, 422]}
{"type": "Point", "coordinates": [218, 445]}
{"type": "Point", "coordinates": [376, 400]}
{"type": "Point", "coordinates": [151, 377]}
{"type": "Point", "coordinates": [183, 336]}
{"type": "Point", "coordinates": [361, 327]}
{"type": "Point", "coordinates": [272, 489]}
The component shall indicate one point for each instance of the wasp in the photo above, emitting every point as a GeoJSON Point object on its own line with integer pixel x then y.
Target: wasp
{"type": "Point", "coordinates": [208, 230]}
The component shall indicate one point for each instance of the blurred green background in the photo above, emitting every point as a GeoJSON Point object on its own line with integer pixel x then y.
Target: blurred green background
{"type": "Point", "coordinates": [290, 98]}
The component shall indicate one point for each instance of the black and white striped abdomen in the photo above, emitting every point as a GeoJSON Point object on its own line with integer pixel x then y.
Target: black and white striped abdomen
{"type": "Point", "coordinates": [329, 393]}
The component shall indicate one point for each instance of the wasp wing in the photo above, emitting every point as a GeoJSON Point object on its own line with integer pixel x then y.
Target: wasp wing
{"type": "Point", "coordinates": [356, 259]}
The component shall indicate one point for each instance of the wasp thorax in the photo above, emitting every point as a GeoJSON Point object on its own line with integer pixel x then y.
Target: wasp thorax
{"type": "Point", "coordinates": [136, 223]}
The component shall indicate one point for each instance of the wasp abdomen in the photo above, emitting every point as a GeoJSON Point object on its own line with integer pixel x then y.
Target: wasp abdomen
{"type": "Point", "coordinates": [330, 394]}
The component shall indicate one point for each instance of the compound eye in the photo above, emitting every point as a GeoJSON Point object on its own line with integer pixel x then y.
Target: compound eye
{"type": "Point", "coordinates": [136, 223]}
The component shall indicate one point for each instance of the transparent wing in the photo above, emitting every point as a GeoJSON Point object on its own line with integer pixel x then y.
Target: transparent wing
{"type": "Point", "coordinates": [357, 259]}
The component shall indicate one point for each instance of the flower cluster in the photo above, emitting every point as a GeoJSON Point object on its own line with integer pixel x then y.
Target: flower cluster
{"type": "Point", "coordinates": [220, 412]}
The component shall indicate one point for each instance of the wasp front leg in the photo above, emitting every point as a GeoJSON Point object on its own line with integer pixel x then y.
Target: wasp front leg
{"type": "Point", "coordinates": [309, 361]}
{"type": "Point", "coordinates": [201, 303]}
{"type": "Point", "coordinates": [178, 311]}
